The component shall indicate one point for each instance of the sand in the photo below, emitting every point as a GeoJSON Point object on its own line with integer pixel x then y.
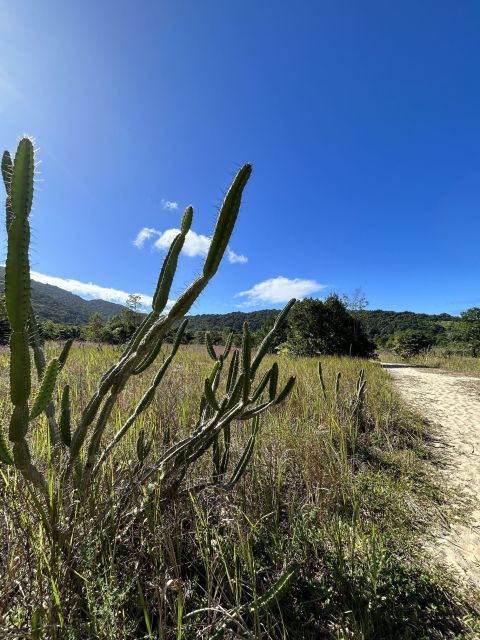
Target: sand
{"type": "Point", "coordinates": [452, 402]}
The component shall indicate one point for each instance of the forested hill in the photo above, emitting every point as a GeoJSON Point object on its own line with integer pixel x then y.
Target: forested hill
{"type": "Point", "coordinates": [380, 325]}
{"type": "Point", "coordinates": [230, 321]}
{"type": "Point", "coordinates": [63, 307]}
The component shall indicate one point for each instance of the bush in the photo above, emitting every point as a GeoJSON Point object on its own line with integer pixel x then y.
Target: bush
{"type": "Point", "coordinates": [326, 327]}
{"type": "Point", "coordinates": [410, 343]}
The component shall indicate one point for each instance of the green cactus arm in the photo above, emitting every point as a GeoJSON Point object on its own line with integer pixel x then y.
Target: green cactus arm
{"type": "Point", "coordinates": [143, 447]}
{"type": "Point", "coordinates": [169, 267]}
{"type": "Point", "coordinates": [40, 365]}
{"type": "Point", "coordinates": [17, 302]}
{"type": "Point", "coordinates": [285, 391]}
{"type": "Point", "coordinates": [210, 395]}
{"type": "Point", "coordinates": [246, 359]}
{"type": "Point", "coordinates": [17, 268]}
{"type": "Point", "coordinates": [62, 358]}
{"type": "Point", "coordinates": [156, 329]}
{"type": "Point", "coordinates": [209, 345]}
{"type": "Point", "coordinates": [261, 386]}
{"type": "Point", "coordinates": [256, 411]}
{"type": "Point", "coordinates": [7, 171]}
{"type": "Point", "coordinates": [237, 390]}
{"type": "Point", "coordinates": [273, 382]}
{"type": "Point", "coordinates": [276, 591]}
{"type": "Point", "coordinates": [242, 463]}
{"type": "Point", "coordinates": [133, 343]}
{"type": "Point", "coordinates": [226, 450]}
{"type": "Point", "coordinates": [216, 461]}
{"type": "Point", "coordinates": [214, 373]}
{"type": "Point", "coordinates": [228, 346]}
{"type": "Point", "coordinates": [45, 391]}
{"type": "Point", "coordinates": [188, 297]}
{"type": "Point", "coordinates": [226, 221]}
{"type": "Point", "coordinates": [267, 341]}
{"type": "Point", "coordinates": [20, 379]}
{"type": "Point", "coordinates": [23, 461]}
{"type": "Point", "coordinates": [144, 402]}
{"type": "Point", "coordinates": [36, 344]}
{"type": "Point", "coordinates": [5, 454]}
{"type": "Point", "coordinates": [64, 420]}
{"type": "Point", "coordinates": [232, 372]}
{"type": "Point", "coordinates": [217, 376]}
{"type": "Point", "coordinates": [18, 423]}
{"type": "Point", "coordinates": [150, 359]}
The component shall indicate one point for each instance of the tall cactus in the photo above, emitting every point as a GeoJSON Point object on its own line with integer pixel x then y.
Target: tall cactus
{"type": "Point", "coordinates": [18, 180]}
{"type": "Point", "coordinates": [243, 399]}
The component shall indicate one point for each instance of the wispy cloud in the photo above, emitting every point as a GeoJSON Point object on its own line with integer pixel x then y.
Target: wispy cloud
{"type": "Point", "coordinates": [169, 205]}
{"type": "Point", "coordinates": [234, 258]}
{"type": "Point", "coordinates": [143, 235]}
{"type": "Point", "coordinates": [278, 290]}
{"type": "Point", "coordinates": [91, 290]}
{"type": "Point", "coordinates": [196, 244]}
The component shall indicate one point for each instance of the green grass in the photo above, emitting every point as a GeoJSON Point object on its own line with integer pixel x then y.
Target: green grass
{"type": "Point", "coordinates": [342, 502]}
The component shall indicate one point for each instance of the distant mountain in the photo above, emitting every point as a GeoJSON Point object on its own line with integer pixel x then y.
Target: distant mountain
{"type": "Point", "coordinates": [63, 307]}
{"type": "Point", "coordinates": [379, 325]}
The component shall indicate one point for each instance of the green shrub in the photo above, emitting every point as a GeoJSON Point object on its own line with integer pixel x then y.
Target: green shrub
{"type": "Point", "coordinates": [319, 327]}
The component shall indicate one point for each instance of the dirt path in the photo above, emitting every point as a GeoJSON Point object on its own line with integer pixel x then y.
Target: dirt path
{"type": "Point", "coordinates": [452, 401]}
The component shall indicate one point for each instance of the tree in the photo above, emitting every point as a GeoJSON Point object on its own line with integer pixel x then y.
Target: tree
{"type": "Point", "coordinates": [133, 302]}
{"type": "Point", "coordinates": [468, 330]}
{"type": "Point", "coordinates": [355, 303]}
{"type": "Point", "coordinates": [317, 327]}
{"type": "Point", "coordinates": [410, 343]}
{"type": "Point", "coordinates": [94, 329]}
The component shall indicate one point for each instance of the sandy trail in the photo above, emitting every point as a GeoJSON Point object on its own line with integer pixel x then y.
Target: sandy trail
{"type": "Point", "coordinates": [452, 401]}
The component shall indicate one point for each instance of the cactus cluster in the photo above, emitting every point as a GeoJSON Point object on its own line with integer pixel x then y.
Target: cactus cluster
{"type": "Point", "coordinates": [81, 445]}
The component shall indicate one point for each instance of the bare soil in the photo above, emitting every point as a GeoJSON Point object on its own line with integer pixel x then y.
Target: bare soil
{"type": "Point", "coordinates": [451, 401]}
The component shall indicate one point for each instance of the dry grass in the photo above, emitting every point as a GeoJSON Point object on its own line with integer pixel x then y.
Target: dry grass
{"type": "Point", "coordinates": [345, 498]}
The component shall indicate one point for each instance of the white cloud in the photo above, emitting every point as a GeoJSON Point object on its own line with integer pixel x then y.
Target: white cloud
{"type": "Point", "coordinates": [235, 258]}
{"type": "Point", "coordinates": [278, 290]}
{"type": "Point", "coordinates": [144, 234]}
{"type": "Point", "coordinates": [169, 205]}
{"type": "Point", "coordinates": [90, 290]}
{"type": "Point", "coordinates": [196, 244]}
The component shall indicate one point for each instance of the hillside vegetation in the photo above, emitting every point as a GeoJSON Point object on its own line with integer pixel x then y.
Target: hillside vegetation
{"type": "Point", "coordinates": [63, 307]}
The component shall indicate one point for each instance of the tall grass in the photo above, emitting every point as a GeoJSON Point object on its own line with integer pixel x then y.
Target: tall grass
{"type": "Point", "coordinates": [320, 539]}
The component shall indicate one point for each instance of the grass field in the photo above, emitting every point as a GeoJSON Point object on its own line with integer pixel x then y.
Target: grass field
{"type": "Point", "coordinates": [319, 539]}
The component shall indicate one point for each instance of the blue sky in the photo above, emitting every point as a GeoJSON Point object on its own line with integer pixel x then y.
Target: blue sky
{"type": "Point", "coordinates": [361, 119]}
